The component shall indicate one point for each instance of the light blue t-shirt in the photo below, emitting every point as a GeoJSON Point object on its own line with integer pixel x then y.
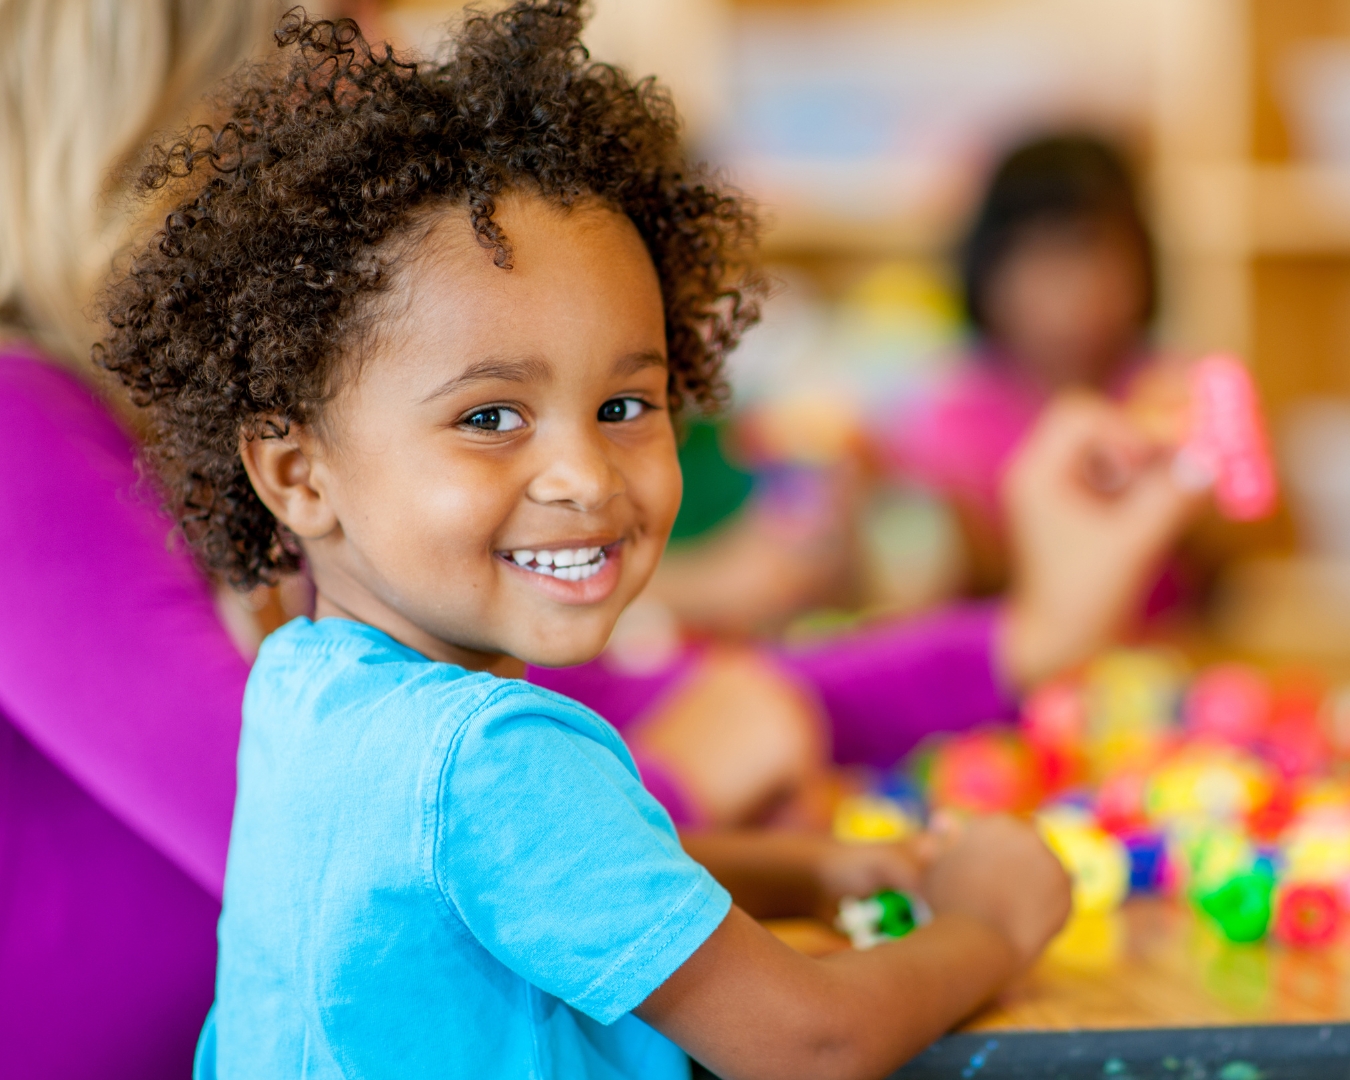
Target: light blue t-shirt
{"type": "Point", "coordinates": [440, 873]}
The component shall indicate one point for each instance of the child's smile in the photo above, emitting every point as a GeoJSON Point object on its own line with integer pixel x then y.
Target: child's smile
{"type": "Point", "coordinates": [572, 573]}
{"type": "Point", "coordinates": [496, 476]}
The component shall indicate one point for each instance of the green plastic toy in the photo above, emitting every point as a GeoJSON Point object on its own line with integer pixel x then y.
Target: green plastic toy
{"type": "Point", "coordinates": [897, 914]}
{"type": "Point", "coordinates": [880, 917]}
{"type": "Point", "coordinates": [1241, 906]}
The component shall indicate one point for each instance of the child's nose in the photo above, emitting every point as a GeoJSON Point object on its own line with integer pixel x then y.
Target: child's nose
{"type": "Point", "coordinates": [576, 471]}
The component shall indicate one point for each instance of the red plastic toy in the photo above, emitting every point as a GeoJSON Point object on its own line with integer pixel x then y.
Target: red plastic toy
{"type": "Point", "coordinates": [984, 772]}
{"type": "Point", "coordinates": [1307, 915]}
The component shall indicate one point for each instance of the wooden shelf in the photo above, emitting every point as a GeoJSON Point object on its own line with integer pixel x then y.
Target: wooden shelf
{"type": "Point", "coordinates": [1232, 211]}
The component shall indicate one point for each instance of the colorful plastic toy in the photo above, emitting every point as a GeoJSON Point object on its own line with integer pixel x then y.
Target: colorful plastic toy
{"type": "Point", "coordinates": [872, 819]}
{"type": "Point", "coordinates": [1307, 915]}
{"type": "Point", "coordinates": [1233, 792]}
{"type": "Point", "coordinates": [1208, 782]}
{"type": "Point", "coordinates": [1131, 697]}
{"type": "Point", "coordinates": [1147, 851]}
{"type": "Point", "coordinates": [1230, 702]}
{"type": "Point", "coordinates": [1318, 849]}
{"type": "Point", "coordinates": [984, 772]}
{"type": "Point", "coordinates": [1228, 439]}
{"type": "Point", "coordinates": [1240, 908]}
{"type": "Point", "coordinates": [1120, 801]}
{"type": "Point", "coordinates": [883, 917]}
{"type": "Point", "coordinates": [1096, 861]}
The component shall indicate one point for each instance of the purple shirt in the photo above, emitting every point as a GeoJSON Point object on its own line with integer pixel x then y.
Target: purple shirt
{"type": "Point", "coordinates": [119, 721]}
{"type": "Point", "coordinates": [883, 689]}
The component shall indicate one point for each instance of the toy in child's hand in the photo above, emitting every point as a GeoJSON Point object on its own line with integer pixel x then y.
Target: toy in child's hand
{"type": "Point", "coordinates": [883, 917]}
{"type": "Point", "coordinates": [1227, 438]}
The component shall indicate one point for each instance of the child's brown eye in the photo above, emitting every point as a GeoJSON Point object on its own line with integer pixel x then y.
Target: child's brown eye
{"type": "Point", "coordinates": [496, 418]}
{"type": "Point", "coordinates": [621, 408]}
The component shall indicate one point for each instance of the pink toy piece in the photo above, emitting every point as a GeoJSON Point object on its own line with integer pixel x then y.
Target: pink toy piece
{"type": "Point", "coordinates": [1229, 702]}
{"type": "Point", "coordinates": [984, 772]}
{"type": "Point", "coordinates": [1055, 715]}
{"type": "Point", "coordinates": [1228, 438]}
{"type": "Point", "coordinates": [1120, 801]}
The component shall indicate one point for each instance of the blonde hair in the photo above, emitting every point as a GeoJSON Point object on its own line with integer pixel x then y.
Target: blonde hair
{"type": "Point", "coordinates": [83, 85]}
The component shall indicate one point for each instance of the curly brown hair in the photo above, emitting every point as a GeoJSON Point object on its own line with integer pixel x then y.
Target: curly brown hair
{"type": "Point", "coordinates": [229, 324]}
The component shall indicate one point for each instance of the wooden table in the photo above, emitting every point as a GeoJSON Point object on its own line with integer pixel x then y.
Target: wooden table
{"type": "Point", "coordinates": [1150, 991]}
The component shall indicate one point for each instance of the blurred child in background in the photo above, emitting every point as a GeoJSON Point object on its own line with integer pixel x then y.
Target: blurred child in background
{"type": "Point", "coordinates": [1059, 278]}
{"type": "Point", "coordinates": [1059, 287]}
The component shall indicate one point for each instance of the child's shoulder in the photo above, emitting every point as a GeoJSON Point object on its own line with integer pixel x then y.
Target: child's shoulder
{"type": "Point", "coordinates": [337, 666]}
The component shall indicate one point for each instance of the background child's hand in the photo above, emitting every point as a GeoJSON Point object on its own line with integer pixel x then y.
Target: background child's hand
{"type": "Point", "coordinates": [999, 871]}
{"type": "Point", "coordinates": [1093, 505]}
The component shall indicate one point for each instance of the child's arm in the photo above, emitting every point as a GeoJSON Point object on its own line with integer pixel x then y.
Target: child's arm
{"type": "Point", "coordinates": [747, 1006]}
{"type": "Point", "coordinates": [781, 873]}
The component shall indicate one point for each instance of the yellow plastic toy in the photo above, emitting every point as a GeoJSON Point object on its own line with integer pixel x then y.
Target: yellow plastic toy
{"type": "Point", "coordinates": [1132, 699]}
{"type": "Point", "coordinates": [1096, 861]}
{"type": "Point", "coordinates": [871, 819]}
{"type": "Point", "coordinates": [1318, 850]}
{"type": "Point", "coordinates": [1207, 783]}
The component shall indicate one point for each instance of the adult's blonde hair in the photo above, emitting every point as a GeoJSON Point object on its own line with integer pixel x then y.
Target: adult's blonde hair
{"type": "Point", "coordinates": [83, 85]}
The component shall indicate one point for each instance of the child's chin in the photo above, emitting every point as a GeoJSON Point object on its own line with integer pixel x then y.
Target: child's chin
{"type": "Point", "coordinates": [569, 657]}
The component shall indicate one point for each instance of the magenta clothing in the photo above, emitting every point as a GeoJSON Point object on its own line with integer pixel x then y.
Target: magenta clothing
{"type": "Point", "coordinates": [883, 688]}
{"type": "Point", "coordinates": [120, 699]}
{"type": "Point", "coordinates": [959, 440]}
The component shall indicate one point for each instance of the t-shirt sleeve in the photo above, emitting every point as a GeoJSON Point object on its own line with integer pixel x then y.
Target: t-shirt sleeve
{"type": "Point", "coordinates": [560, 863]}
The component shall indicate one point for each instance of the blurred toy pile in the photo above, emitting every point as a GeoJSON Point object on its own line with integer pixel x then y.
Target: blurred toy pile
{"type": "Point", "coordinates": [1229, 790]}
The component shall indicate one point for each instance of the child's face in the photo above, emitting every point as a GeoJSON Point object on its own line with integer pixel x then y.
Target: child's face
{"type": "Point", "coordinates": [500, 476]}
{"type": "Point", "coordinates": [1067, 304]}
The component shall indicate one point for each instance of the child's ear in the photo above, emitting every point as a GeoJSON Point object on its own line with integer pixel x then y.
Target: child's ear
{"type": "Point", "coordinates": [281, 468]}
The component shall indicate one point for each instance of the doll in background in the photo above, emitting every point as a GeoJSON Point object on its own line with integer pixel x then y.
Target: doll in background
{"type": "Point", "coordinates": [1059, 286]}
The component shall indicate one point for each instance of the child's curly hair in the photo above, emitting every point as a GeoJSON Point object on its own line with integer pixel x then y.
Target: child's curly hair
{"type": "Point", "coordinates": [230, 322]}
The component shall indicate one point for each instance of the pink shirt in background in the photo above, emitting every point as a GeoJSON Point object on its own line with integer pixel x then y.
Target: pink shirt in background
{"type": "Point", "coordinates": [959, 439]}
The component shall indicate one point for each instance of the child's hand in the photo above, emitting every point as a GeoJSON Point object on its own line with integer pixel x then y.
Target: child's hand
{"type": "Point", "coordinates": [782, 873]}
{"type": "Point", "coordinates": [999, 871]}
{"type": "Point", "coordinates": [864, 869]}
{"type": "Point", "coordinates": [1093, 504]}
{"type": "Point", "coordinates": [747, 1006]}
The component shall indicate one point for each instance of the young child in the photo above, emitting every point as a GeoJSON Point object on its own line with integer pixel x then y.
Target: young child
{"type": "Point", "coordinates": [425, 329]}
{"type": "Point", "coordinates": [1059, 285]}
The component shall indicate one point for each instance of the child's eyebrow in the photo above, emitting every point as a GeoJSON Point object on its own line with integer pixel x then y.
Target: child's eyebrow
{"type": "Point", "coordinates": [635, 362]}
{"type": "Point", "coordinates": [528, 370]}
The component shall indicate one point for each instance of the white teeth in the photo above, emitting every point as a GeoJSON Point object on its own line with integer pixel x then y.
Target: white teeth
{"type": "Point", "coordinates": [566, 564]}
